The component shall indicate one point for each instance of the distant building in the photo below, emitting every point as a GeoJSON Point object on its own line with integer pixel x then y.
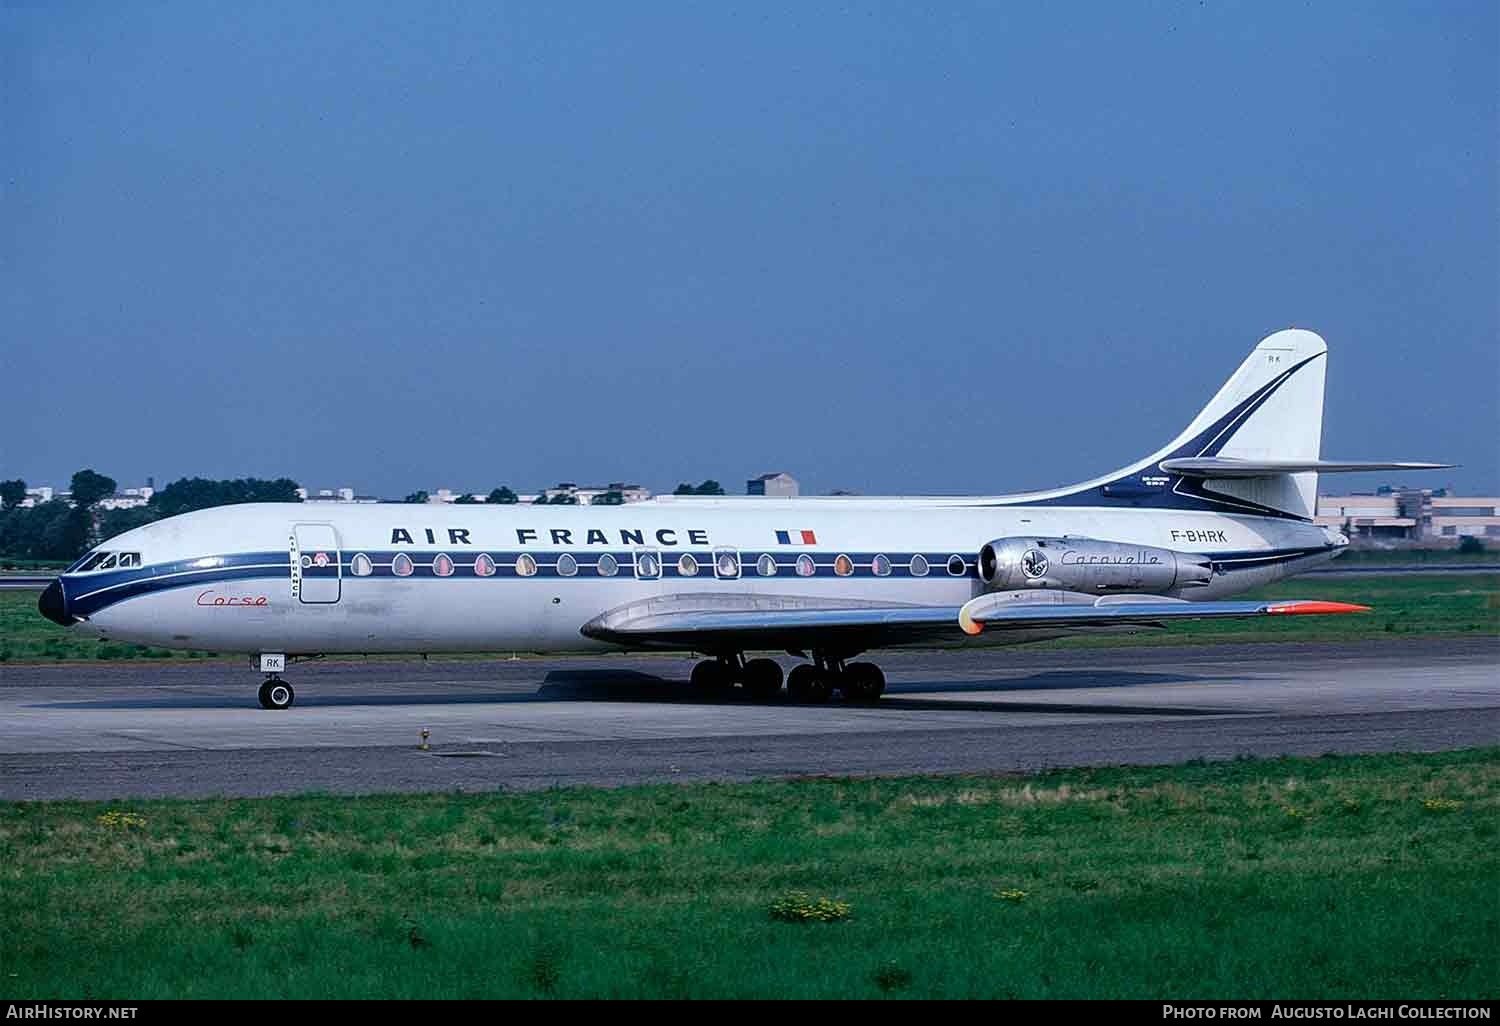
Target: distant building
{"type": "Point", "coordinates": [1414, 515]}
{"type": "Point", "coordinates": [781, 484]}
{"type": "Point", "coordinates": [1454, 516]}
{"type": "Point", "coordinates": [334, 495]}
{"type": "Point", "coordinates": [130, 498]}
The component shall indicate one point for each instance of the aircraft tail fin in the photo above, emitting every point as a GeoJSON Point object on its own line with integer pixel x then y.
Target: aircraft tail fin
{"type": "Point", "coordinates": [1253, 449]}
{"type": "Point", "coordinates": [1270, 409]}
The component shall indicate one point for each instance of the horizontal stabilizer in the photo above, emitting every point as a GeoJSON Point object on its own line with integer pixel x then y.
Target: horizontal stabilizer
{"type": "Point", "coordinates": [1228, 467]}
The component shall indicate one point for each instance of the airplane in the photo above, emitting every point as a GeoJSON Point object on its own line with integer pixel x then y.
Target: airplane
{"type": "Point", "coordinates": [1226, 506]}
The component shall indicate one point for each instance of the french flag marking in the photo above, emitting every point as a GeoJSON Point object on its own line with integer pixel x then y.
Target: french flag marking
{"type": "Point", "coordinates": [796, 538]}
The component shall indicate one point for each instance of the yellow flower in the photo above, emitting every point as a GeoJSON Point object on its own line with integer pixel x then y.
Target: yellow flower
{"type": "Point", "coordinates": [798, 907]}
{"type": "Point", "coordinates": [1441, 805]}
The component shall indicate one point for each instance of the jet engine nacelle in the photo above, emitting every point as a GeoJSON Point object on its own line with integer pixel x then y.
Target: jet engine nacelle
{"type": "Point", "coordinates": [1089, 566]}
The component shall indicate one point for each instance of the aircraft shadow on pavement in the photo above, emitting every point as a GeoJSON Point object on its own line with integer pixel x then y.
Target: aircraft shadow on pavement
{"type": "Point", "coordinates": [634, 686]}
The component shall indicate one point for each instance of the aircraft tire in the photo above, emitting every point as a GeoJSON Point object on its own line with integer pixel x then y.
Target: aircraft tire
{"type": "Point", "coordinates": [862, 682]}
{"type": "Point", "coordinates": [762, 679]}
{"type": "Point", "coordinates": [822, 687]}
{"type": "Point", "coordinates": [712, 675]}
{"type": "Point", "coordinates": [801, 681]}
{"type": "Point", "coordinates": [276, 694]}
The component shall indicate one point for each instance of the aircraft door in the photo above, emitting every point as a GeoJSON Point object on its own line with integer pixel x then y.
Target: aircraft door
{"type": "Point", "coordinates": [316, 572]}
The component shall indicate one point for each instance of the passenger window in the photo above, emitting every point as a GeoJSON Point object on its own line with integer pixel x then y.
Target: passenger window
{"type": "Point", "coordinates": [567, 566]}
{"type": "Point", "coordinates": [919, 565]}
{"type": "Point", "coordinates": [647, 565]}
{"type": "Point", "coordinates": [401, 566]}
{"type": "Point", "coordinates": [360, 565]}
{"type": "Point", "coordinates": [726, 563]}
{"type": "Point", "coordinates": [525, 565]}
{"type": "Point", "coordinates": [805, 566]}
{"type": "Point", "coordinates": [956, 566]}
{"type": "Point", "coordinates": [843, 565]}
{"type": "Point", "coordinates": [766, 565]}
{"type": "Point", "coordinates": [687, 565]}
{"type": "Point", "coordinates": [442, 565]}
{"type": "Point", "coordinates": [484, 565]}
{"type": "Point", "coordinates": [881, 566]}
{"type": "Point", "coordinates": [607, 566]}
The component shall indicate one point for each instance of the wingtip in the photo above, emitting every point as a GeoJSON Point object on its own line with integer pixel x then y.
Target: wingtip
{"type": "Point", "coordinates": [1314, 608]}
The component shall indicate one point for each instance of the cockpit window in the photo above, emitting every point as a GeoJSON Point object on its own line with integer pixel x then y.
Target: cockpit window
{"type": "Point", "coordinates": [89, 562]}
{"type": "Point", "coordinates": [105, 561]}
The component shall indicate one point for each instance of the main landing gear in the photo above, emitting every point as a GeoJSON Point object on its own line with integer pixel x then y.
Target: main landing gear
{"type": "Point", "coordinates": [761, 677]}
{"type": "Point", "coordinates": [808, 682]}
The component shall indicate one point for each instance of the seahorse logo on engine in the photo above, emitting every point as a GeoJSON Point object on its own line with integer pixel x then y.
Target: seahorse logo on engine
{"type": "Point", "coordinates": [1033, 564]}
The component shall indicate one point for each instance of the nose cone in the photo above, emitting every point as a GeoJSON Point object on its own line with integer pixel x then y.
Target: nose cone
{"type": "Point", "coordinates": [54, 605]}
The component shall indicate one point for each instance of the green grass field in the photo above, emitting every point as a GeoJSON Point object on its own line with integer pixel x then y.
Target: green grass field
{"type": "Point", "coordinates": [1369, 877]}
{"type": "Point", "coordinates": [26, 637]}
{"type": "Point", "coordinates": [1408, 557]}
{"type": "Point", "coordinates": [1405, 606]}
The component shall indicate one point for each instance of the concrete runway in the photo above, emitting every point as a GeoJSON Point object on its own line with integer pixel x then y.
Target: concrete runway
{"type": "Point", "coordinates": [136, 730]}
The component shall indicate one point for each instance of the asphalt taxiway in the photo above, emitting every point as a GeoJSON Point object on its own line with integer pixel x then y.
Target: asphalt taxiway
{"type": "Point", "coordinates": [194, 729]}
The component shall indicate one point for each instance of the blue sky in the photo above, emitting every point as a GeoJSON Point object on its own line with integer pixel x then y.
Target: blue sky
{"type": "Point", "coordinates": [891, 248]}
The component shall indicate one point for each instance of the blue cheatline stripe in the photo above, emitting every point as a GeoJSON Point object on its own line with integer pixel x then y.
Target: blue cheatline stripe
{"type": "Point", "coordinates": [93, 601]}
{"type": "Point", "coordinates": [89, 593]}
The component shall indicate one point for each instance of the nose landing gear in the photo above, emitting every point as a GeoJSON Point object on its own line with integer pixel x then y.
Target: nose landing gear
{"type": "Point", "coordinates": [276, 693]}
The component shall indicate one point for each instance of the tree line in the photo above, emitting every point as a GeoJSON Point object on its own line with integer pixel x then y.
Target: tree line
{"type": "Point", "coordinates": [504, 496]}
{"type": "Point", "coordinates": [501, 496]}
{"type": "Point", "coordinates": [64, 529]}
{"type": "Point", "coordinates": [61, 530]}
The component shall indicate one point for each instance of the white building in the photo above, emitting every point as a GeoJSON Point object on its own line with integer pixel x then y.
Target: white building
{"type": "Point", "coordinates": [1412, 515]}
{"type": "Point", "coordinates": [130, 498]}
{"type": "Point", "coordinates": [782, 484]}
{"type": "Point", "coordinates": [333, 495]}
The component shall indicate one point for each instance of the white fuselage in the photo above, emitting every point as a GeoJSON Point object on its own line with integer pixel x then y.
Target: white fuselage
{"type": "Point", "coordinates": [324, 579]}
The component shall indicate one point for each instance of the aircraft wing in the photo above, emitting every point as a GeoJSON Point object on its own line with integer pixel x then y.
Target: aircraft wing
{"type": "Point", "coordinates": [732, 622]}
